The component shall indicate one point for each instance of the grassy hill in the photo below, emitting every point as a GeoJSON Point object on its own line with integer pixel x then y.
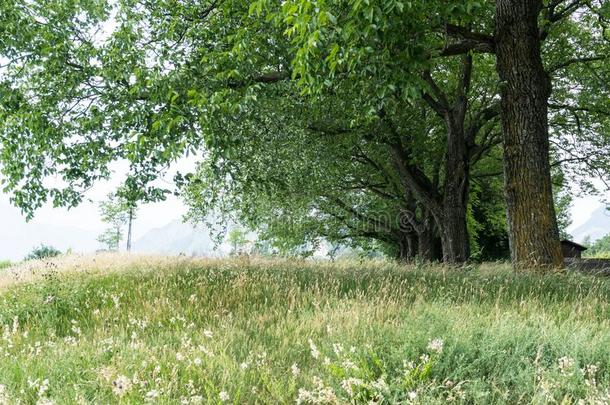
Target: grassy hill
{"type": "Point", "coordinates": [112, 329]}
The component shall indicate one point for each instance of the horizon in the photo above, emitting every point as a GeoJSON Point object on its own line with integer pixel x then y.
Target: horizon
{"type": "Point", "coordinates": [152, 216]}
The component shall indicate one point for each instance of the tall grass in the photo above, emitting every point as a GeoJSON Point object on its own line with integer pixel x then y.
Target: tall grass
{"type": "Point", "coordinates": [134, 330]}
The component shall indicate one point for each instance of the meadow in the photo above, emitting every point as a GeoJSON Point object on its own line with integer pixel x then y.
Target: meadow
{"type": "Point", "coordinates": [131, 329]}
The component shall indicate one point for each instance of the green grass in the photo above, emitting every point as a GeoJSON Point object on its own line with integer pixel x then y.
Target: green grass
{"type": "Point", "coordinates": [5, 264]}
{"type": "Point", "coordinates": [278, 332]}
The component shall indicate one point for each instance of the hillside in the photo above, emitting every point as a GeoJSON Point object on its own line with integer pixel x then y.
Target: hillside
{"type": "Point", "coordinates": [177, 238]}
{"type": "Point", "coordinates": [597, 226]}
{"type": "Point", "coordinates": [134, 329]}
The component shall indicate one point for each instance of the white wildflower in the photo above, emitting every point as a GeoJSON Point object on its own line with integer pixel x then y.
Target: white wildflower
{"type": "Point", "coordinates": [566, 365]}
{"type": "Point", "coordinates": [350, 383]}
{"type": "Point", "coordinates": [337, 348]}
{"type": "Point", "coordinates": [152, 395]}
{"type": "Point", "coordinates": [121, 385]}
{"type": "Point", "coordinates": [435, 345]}
{"type": "Point", "coordinates": [197, 361]}
{"type": "Point", "coordinates": [295, 369]}
{"type": "Point", "coordinates": [314, 350]}
{"type": "Point", "coordinates": [208, 333]}
{"type": "Point", "coordinates": [223, 396]}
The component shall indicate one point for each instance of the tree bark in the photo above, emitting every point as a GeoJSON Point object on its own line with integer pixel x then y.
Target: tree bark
{"type": "Point", "coordinates": [129, 229]}
{"type": "Point", "coordinates": [407, 247]}
{"type": "Point", "coordinates": [525, 89]}
{"type": "Point", "coordinates": [454, 230]}
{"type": "Point", "coordinates": [425, 239]}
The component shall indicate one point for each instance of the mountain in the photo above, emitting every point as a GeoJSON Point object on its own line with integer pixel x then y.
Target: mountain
{"type": "Point", "coordinates": [178, 237]}
{"type": "Point", "coordinates": [597, 225]}
{"type": "Point", "coordinates": [18, 238]}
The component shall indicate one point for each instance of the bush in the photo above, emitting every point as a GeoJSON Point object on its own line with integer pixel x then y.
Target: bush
{"type": "Point", "coordinates": [5, 264]}
{"type": "Point", "coordinates": [42, 252]}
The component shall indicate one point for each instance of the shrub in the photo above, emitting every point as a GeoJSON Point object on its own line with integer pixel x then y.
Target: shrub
{"type": "Point", "coordinates": [5, 264]}
{"type": "Point", "coordinates": [42, 252]}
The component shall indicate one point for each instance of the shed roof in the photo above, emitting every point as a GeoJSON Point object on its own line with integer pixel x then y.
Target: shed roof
{"type": "Point", "coordinates": [573, 244]}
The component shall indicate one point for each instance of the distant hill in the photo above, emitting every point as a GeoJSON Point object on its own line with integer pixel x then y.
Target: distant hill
{"type": "Point", "coordinates": [179, 238]}
{"type": "Point", "coordinates": [597, 225]}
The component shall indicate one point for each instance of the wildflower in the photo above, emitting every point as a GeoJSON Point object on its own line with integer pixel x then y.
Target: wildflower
{"type": "Point", "coordinates": [223, 396]}
{"type": "Point", "coordinates": [337, 348]}
{"type": "Point", "coordinates": [349, 384]}
{"type": "Point", "coordinates": [349, 365]}
{"type": "Point", "coordinates": [566, 364]}
{"type": "Point", "coordinates": [197, 361]}
{"type": "Point", "coordinates": [314, 350]}
{"type": "Point", "coordinates": [44, 401]}
{"type": "Point", "coordinates": [381, 385]}
{"type": "Point", "coordinates": [196, 399]}
{"type": "Point", "coordinates": [208, 333]}
{"type": "Point", "coordinates": [44, 386]}
{"type": "Point", "coordinates": [295, 370]}
{"type": "Point", "coordinates": [244, 365]}
{"type": "Point", "coordinates": [152, 394]}
{"type": "Point", "coordinates": [121, 385]}
{"type": "Point", "coordinates": [435, 345]}
{"type": "Point", "coordinates": [179, 356]}
{"type": "Point", "coordinates": [412, 395]}
{"type": "Point", "coordinates": [106, 373]}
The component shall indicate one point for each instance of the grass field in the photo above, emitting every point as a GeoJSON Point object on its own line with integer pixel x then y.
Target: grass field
{"type": "Point", "coordinates": [112, 329]}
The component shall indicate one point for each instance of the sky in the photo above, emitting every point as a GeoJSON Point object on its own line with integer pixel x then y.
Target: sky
{"type": "Point", "coordinates": [85, 217]}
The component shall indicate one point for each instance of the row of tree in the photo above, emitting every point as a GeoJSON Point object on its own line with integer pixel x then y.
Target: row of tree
{"type": "Point", "coordinates": [384, 124]}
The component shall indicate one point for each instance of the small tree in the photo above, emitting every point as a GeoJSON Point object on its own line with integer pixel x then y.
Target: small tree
{"type": "Point", "coordinates": [237, 239]}
{"type": "Point", "coordinates": [115, 213]}
{"type": "Point", "coordinates": [42, 252]}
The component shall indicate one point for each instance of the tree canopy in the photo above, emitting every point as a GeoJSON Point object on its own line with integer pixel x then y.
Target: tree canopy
{"type": "Point", "coordinates": [361, 121]}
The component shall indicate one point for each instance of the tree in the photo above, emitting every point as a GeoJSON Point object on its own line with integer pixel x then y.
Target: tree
{"type": "Point", "coordinates": [525, 84]}
{"type": "Point", "coordinates": [114, 212]}
{"type": "Point", "coordinates": [598, 249]}
{"type": "Point", "coordinates": [301, 176]}
{"type": "Point", "coordinates": [237, 239]}
{"type": "Point", "coordinates": [154, 87]}
{"type": "Point", "coordinates": [526, 88]}
{"type": "Point", "coordinates": [42, 252]}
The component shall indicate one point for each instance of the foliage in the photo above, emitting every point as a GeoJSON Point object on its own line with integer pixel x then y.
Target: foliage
{"type": "Point", "coordinates": [42, 252]}
{"type": "Point", "coordinates": [237, 239]}
{"type": "Point", "coordinates": [86, 83]}
{"type": "Point", "coordinates": [4, 264]}
{"type": "Point", "coordinates": [181, 330]}
{"type": "Point", "coordinates": [114, 212]}
{"type": "Point", "coordinates": [598, 249]}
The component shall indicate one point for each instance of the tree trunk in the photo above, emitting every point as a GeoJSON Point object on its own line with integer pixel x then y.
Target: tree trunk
{"type": "Point", "coordinates": [533, 232]}
{"type": "Point", "coordinates": [407, 247]}
{"type": "Point", "coordinates": [454, 229]}
{"type": "Point", "coordinates": [425, 239]}
{"type": "Point", "coordinates": [129, 230]}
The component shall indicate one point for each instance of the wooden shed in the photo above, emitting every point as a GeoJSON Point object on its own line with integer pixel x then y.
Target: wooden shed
{"type": "Point", "coordinates": [572, 249]}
